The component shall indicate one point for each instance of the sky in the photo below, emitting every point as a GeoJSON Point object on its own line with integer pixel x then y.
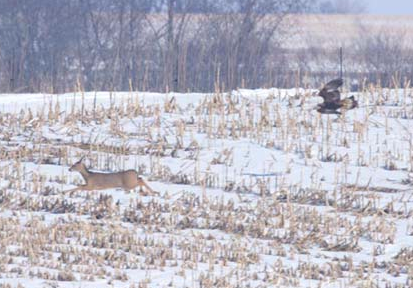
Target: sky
{"type": "Point", "coordinates": [390, 6]}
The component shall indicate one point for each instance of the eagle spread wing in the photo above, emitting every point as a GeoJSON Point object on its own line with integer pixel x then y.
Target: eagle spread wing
{"type": "Point", "coordinates": [330, 91]}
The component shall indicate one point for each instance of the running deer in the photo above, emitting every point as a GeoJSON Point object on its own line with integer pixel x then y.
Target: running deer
{"type": "Point", "coordinates": [127, 180]}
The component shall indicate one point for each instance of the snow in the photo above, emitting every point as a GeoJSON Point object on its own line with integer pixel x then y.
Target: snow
{"type": "Point", "coordinates": [261, 190]}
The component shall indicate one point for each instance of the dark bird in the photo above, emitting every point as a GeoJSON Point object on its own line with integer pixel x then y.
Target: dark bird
{"type": "Point", "coordinates": [332, 101]}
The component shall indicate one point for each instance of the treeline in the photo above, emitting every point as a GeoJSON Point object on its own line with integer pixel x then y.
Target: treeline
{"type": "Point", "coordinates": [158, 45]}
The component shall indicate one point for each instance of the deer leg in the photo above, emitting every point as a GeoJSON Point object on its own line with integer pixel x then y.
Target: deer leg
{"type": "Point", "coordinates": [142, 183]}
{"type": "Point", "coordinates": [141, 191]}
{"type": "Point", "coordinates": [78, 188]}
{"type": "Point", "coordinates": [72, 190]}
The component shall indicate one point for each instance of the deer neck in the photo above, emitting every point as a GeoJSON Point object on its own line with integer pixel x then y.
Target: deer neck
{"type": "Point", "coordinates": [85, 173]}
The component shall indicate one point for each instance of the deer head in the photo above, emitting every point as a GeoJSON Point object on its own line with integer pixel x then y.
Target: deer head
{"type": "Point", "coordinates": [78, 166]}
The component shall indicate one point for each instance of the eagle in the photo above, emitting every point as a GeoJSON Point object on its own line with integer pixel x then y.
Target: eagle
{"type": "Point", "coordinates": [332, 101]}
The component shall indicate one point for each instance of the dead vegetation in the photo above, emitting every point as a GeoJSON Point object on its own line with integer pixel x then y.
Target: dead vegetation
{"type": "Point", "coordinates": [250, 192]}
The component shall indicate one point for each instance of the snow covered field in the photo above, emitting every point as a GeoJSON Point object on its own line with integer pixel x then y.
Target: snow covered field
{"type": "Point", "coordinates": [256, 189]}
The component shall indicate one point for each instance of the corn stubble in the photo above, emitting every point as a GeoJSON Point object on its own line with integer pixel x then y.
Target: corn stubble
{"type": "Point", "coordinates": [201, 239]}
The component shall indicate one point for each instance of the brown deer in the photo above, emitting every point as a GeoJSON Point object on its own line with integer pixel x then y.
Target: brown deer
{"type": "Point", "coordinates": [127, 180]}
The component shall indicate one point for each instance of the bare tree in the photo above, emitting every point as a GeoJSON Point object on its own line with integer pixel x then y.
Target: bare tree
{"type": "Point", "coordinates": [384, 55]}
{"type": "Point", "coordinates": [245, 40]}
{"type": "Point", "coordinates": [36, 37]}
{"type": "Point", "coordinates": [159, 45]}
